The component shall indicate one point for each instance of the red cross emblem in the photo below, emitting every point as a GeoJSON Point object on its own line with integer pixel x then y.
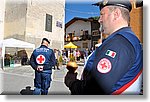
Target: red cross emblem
{"type": "Point", "coordinates": [40, 59]}
{"type": "Point", "coordinates": [104, 65]}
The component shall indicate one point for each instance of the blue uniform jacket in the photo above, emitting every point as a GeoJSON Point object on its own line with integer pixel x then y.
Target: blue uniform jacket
{"type": "Point", "coordinates": [118, 61]}
{"type": "Point", "coordinates": [43, 56]}
{"type": "Point", "coordinates": [115, 64]}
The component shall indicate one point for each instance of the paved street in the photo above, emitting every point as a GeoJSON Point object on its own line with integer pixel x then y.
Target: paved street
{"type": "Point", "coordinates": [20, 80]}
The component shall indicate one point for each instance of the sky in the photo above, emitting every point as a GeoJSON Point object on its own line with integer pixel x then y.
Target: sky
{"type": "Point", "coordinates": [80, 8]}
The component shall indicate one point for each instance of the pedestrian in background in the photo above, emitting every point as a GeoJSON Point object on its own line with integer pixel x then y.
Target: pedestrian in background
{"type": "Point", "coordinates": [57, 55]}
{"type": "Point", "coordinates": [78, 55]}
{"type": "Point", "coordinates": [42, 60]}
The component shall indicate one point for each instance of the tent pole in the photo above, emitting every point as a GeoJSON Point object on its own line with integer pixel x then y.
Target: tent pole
{"type": "Point", "coordinates": [3, 56]}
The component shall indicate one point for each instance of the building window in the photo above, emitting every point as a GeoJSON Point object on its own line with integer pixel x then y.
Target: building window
{"type": "Point", "coordinates": [95, 32]}
{"type": "Point", "coordinates": [85, 45]}
{"type": "Point", "coordinates": [48, 26]}
{"type": "Point", "coordinates": [86, 32]}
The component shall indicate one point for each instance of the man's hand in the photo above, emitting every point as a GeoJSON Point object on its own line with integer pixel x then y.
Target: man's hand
{"type": "Point", "coordinates": [70, 78]}
{"type": "Point", "coordinates": [39, 68]}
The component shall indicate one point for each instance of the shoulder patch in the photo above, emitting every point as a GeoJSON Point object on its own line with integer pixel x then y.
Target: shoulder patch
{"type": "Point", "coordinates": [104, 65]}
{"type": "Point", "coordinates": [111, 53]}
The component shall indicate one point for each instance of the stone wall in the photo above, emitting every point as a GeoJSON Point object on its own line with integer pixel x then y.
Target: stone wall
{"type": "Point", "coordinates": [2, 14]}
{"type": "Point", "coordinates": [25, 20]}
{"type": "Point", "coordinates": [15, 19]}
{"type": "Point", "coordinates": [36, 19]}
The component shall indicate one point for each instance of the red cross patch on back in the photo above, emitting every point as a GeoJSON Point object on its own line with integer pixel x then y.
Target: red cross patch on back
{"type": "Point", "coordinates": [40, 59]}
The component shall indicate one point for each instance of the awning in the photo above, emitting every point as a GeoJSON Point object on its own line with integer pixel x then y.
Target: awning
{"type": "Point", "coordinates": [16, 43]}
{"type": "Point", "coordinates": [71, 45]}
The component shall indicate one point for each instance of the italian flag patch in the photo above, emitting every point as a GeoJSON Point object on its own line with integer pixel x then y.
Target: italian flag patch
{"type": "Point", "coordinates": [111, 53]}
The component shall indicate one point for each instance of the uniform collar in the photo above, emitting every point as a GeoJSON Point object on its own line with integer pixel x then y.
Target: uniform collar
{"type": "Point", "coordinates": [120, 30]}
{"type": "Point", "coordinates": [43, 46]}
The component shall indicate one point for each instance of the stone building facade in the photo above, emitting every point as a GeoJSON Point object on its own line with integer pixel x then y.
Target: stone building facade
{"type": "Point", "coordinates": [2, 13]}
{"type": "Point", "coordinates": [28, 20]}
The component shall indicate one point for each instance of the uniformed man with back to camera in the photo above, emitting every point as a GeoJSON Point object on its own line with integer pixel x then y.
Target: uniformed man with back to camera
{"type": "Point", "coordinates": [42, 60]}
{"type": "Point", "coordinates": [116, 66]}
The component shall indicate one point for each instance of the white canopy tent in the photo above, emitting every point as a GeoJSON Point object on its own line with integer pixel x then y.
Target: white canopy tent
{"type": "Point", "coordinates": [15, 44]}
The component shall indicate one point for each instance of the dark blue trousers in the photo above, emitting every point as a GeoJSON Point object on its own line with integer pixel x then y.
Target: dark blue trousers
{"type": "Point", "coordinates": [42, 82]}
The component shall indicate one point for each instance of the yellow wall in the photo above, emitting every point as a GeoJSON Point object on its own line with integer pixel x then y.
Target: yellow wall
{"type": "Point", "coordinates": [137, 22]}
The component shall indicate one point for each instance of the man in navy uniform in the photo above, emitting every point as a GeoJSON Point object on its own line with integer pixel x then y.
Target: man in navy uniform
{"type": "Point", "coordinates": [116, 66]}
{"type": "Point", "coordinates": [42, 60]}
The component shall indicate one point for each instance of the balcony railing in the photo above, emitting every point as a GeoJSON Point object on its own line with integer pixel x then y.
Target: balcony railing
{"type": "Point", "coordinates": [78, 38]}
{"type": "Point", "coordinates": [84, 35]}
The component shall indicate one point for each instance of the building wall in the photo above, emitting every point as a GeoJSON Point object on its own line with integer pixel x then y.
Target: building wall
{"type": "Point", "coordinates": [15, 19]}
{"type": "Point", "coordinates": [36, 19]}
{"type": "Point", "coordinates": [2, 14]}
{"type": "Point", "coordinates": [137, 22]}
{"type": "Point", "coordinates": [77, 26]}
{"type": "Point", "coordinates": [25, 20]}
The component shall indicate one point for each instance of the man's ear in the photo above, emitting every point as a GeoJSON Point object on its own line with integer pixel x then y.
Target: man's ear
{"type": "Point", "coordinates": [117, 13]}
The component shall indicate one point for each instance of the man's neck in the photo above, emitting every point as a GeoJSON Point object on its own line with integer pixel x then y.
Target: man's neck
{"type": "Point", "coordinates": [117, 27]}
{"type": "Point", "coordinates": [118, 24]}
{"type": "Point", "coordinates": [44, 45]}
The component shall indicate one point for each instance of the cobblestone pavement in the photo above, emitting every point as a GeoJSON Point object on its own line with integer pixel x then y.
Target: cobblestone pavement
{"type": "Point", "coordinates": [14, 80]}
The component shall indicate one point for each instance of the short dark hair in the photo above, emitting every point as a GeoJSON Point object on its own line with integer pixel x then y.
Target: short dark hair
{"type": "Point", "coordinates": [125, 13]}
{"type": "Point", "coordinates": [45, 39]}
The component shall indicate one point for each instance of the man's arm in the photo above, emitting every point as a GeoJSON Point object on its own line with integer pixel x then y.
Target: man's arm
{"type": "Point", "coordinates": [113, 60]}
{"type": "Point", "coordinates": [32, 62]}
{"type": "Point", "coordinates": [52, 61]}
{"type": "Point", "coordinates": [88, 86]}
{"type": "Point", "coordinates": [76, 86]}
